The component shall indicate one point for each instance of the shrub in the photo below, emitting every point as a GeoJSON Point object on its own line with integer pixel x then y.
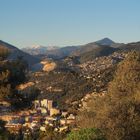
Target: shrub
{"type": "Point", "coordinates": [86, 134]}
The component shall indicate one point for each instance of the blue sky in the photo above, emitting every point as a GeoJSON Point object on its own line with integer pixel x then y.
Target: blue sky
{"type": "Point", "coordinates": [68, 22]}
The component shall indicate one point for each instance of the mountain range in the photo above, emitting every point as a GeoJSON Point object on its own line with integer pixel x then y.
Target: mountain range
{"type": "Point", "coordinates": [62, 52]}
{"type": "Point", "coordinates": [87, 52]}
{"type": "Point", "coordinates": [38, 49]}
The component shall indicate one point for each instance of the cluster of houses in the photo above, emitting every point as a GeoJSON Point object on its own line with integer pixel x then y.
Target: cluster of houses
{"type": "Point", "coordinates": [98, 69]}
{"type": "Point", "coordinates": [4, 107]}
{"type": "Point", "coordinates": [44, 113]}
{"type": "Point", "coordinates": [100, 64]}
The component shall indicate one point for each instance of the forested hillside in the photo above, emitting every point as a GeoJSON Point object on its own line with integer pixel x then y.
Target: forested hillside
{"type": "Point", "coordinates": [16, 53]}
{"type": "Point", "coordinates": [117, 113]}
{"type": "Point", "coordinates": [12, 73]}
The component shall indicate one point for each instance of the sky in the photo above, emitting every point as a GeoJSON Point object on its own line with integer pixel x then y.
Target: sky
{"type": "Point", "coordinates": [68, 22]}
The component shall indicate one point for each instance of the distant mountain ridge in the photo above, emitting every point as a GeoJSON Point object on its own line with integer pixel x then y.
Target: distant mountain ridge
{"type": "Point", "coordinates": [38, 49]}
{"type": "Point", "coordinates": [102, 50]}
{"type": "Point", "coordinates": [80, 54]}
{"type": "Point", "coordinates": [88, 51]}
{"type": "Point", "coordinates": [105, 42]}
{"type": "Point", "coordinates": [62, 52]}
{"type": "Point", "coordinates": [50, 51]}
{"type": "Point", "coordinates": [15, 53]}
{"type": "Point", "coordinates": [93, 46]}
{"type": "Point", "coordinates": [130, 46]}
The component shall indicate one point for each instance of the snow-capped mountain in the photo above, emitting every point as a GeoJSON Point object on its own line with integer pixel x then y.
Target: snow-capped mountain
{"type": "Point", "coordinates": [38, 49]}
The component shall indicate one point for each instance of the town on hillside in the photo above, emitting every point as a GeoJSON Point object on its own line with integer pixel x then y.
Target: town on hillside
{"type": "Point", "coordinates": [43, 113]}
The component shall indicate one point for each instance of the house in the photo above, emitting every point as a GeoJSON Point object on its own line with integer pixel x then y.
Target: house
{"type": "Point", "coordinates": [63, 121]}
{"type": "Point", "coordinates": [64, 113]}
{"type": "Point", "coordinates": [50, 104]}
{"type": "Point", "coordinates": [54, 111]}
{"type": "Point", "coordinates": [50, 118]}
{"type": "Point", "coordinates": [51, 124]}
{"type": "Point", "coordinates": [43, 128]}
{"type": "Point", "coordinates": [43, 110]}
{"type": "Point", "coordinates": [27, 124]}
{"type": "Point", "coordinates": [70, 121]}
{"type": "Point", "coordinates": [63, 128]}
{"type": "Point", "coordinates": [4, 103]}
{"type": "Point", "coordinates": [13, 128]}
{"type": "Point", "coordinates": [46, 122]}
{"type": "Point", "coordinates": [6, 117]}
{"type": "Point", "coordinates": [28, 118]}
{"type": "Point", "coordinates": [36, 103]}
{"type": "Point", "coordinates": [36, 118]}
{"type": "Point", "coordinates": [34, 124]}
{"type": "Point", "coordinates": [44, 103]}
{"type": "Point", "coordinates": [71, 117]}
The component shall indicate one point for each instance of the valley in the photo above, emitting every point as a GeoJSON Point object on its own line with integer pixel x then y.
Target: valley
{"type": "Point", "coordinates": [51, 91]}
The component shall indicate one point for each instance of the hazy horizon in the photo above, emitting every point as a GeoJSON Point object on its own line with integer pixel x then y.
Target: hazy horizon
{"type": "Point", "coordinates": [68, 22]}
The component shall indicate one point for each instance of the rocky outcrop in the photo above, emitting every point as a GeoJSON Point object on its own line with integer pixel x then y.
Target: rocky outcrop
{"type": "Point", "coordinates": [24, 86]}
{"type": "Point", "coordinates": [45, 66]}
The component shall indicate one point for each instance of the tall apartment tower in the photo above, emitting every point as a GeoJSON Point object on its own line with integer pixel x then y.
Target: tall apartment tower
{"type": "Point", "coordinates": [50, 104]}
{"type": "Point", "coordinates": [44, 103]}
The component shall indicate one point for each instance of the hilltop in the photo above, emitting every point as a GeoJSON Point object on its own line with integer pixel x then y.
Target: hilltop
{"type": "Point", "coordinates": [57, 53]}
{"type": "Point", "coordinates": [16, 53]}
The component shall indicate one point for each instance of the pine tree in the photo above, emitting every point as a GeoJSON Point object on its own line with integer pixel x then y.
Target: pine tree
{"type": "Point", "coordinates": [123, 110]}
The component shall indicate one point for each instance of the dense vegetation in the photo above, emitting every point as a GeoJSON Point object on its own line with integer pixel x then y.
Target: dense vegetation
{"type": "Point", "coordinates": [86, 134]}
{"type": "Point", "coordinates": [130, 47]}
{"type": "Point", "coordinates": [96, 52]}
{"type": "Point", "coordinates": [67, 86]}
{"type": "Point", "coordinates": [3, 53]}
{"type": "Point", "coordinates": [13, 73]}
{"type": "Point", "coordinates": [117, 114]}
{"type": "Point", "coordinates": [4, 75]}
{"type": "Point", "coordinates": [4, 134]}
{"type": "Point", "coordinates": [68, 83]}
